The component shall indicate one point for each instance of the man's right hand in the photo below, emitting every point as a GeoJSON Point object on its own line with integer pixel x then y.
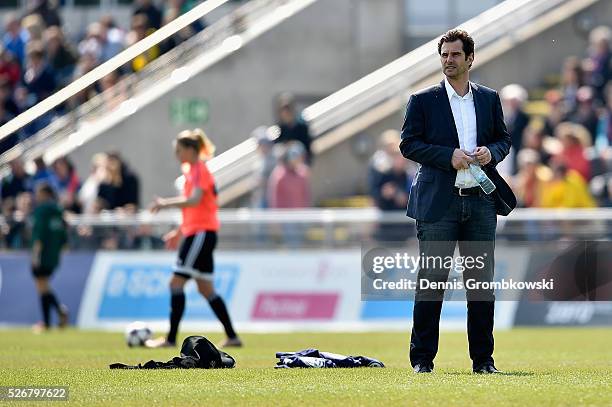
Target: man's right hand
{"type": "Point", "coordinates": [461, 160]}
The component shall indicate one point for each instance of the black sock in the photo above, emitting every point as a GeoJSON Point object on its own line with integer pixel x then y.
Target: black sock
{"type": "Point", "coordinates": [45, 302]}
{"type": "Point", "coordinates": [177, 308]}
{"type": "Point", "coordinates": [53, 301]}
{"type": "Point", "coordinates": [48, 301]}
{"type": "Point", "coordinates": [218, 306]}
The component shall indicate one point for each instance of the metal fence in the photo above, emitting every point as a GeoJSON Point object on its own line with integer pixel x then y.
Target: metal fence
{"type": "Point", "coordinates": [247, 229]}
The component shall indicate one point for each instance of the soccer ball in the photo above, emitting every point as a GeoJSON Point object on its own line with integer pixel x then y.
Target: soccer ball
{"type": "Point", "coordinates": [137, 333]}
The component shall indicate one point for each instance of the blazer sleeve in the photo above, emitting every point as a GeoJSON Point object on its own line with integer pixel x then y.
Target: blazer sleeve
{"type": "Point", "coordinates": [501, 147]}
{"type": "Point", "coordinates": [413, 145]}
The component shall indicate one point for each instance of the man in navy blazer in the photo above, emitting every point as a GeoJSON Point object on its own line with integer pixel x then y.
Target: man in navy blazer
{"type": "Point", "coordinates": [448, 127]}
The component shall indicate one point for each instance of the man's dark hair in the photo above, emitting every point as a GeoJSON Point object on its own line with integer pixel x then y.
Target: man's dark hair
{"type": "Point", "coordinates": [454, 35]}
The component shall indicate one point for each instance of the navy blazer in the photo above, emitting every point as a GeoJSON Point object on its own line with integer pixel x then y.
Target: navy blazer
{"type": "Point", "coordinates": [429, 137]}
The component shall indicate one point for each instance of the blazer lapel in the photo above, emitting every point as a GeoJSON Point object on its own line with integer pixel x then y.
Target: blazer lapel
{"type": "Point", "coordinates": [479, 110]}
{"type": "Point", "coordinates": [447, 113]}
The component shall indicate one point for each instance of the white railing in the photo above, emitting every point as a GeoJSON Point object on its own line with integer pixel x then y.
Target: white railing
{"type": "Point", "coordinates": [327, 216]}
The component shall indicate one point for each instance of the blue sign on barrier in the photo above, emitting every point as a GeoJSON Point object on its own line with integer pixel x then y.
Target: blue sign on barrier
{"type": "Point", "coordinates": [140, 291]}
{"type": "Point", "coordinates": [19, 302]}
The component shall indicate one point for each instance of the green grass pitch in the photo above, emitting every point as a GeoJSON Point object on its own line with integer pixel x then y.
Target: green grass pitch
{"type": "Point", "coordinates": [552, 367]}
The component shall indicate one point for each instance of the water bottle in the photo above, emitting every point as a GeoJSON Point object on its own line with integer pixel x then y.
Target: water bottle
{"type": "Point", "coordinates": [485, 183]}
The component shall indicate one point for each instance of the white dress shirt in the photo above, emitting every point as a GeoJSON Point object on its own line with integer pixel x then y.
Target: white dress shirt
{"type": "Point", "coordinates": [464, 115]}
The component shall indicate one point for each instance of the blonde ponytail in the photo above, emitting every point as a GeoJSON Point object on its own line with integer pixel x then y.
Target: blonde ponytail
{"type": "Point", "coordinates": [197, 140]}
{"type": "Point", "coordinates": [207, 148]}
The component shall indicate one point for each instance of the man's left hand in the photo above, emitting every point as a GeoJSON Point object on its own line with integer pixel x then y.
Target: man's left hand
{"type": "Point", "coordinates": [482, 155]}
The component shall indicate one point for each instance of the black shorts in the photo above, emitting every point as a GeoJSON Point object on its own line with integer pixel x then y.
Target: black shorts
{"type": "Point", "coordinates": [195, 256]}
{"type": "Point", "coordinates": [42, 271]}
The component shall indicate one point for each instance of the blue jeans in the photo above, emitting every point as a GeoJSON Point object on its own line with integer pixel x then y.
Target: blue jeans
{"type": "Point", "coordinates": [469, 221]}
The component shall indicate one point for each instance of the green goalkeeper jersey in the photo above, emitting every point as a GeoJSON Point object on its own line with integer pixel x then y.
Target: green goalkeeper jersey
{"type": "Point", "coordinates": [50, 230]}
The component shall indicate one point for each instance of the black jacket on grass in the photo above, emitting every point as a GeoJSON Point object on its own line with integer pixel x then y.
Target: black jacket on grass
{"type": "Point", "coordinates": [197, 352]}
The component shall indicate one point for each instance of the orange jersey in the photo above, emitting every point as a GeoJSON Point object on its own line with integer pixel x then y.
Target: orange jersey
{"type": "Point", "coordinates": [202, 217]}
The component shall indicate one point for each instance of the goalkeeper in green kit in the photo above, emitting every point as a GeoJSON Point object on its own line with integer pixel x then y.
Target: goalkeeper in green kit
{"type": "Point", "coordinates": [48, 239]}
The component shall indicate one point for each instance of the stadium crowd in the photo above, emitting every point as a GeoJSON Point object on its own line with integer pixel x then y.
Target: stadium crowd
{"type": "Point", "coordinates": [37, 58]}
{"type": "Point", "coordinates": [561, 155]}
{"type": "Point", "coordinates": [109, 186]}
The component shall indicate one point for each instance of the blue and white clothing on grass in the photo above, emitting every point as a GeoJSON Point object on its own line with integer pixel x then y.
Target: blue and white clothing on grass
{"type": "Point", "coordinates": [315, 358]}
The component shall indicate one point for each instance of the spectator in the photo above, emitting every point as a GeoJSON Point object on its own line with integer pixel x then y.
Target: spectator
{"type": "Point", "coordinates": [17, 181]}
{"type": "Point", "coordinates": [603, 139]}
{"type": "Point", "coordinates": [47, 10]}
{"type": "Point", "coordinates": [93, 42]}
{"type": "Point", "coordinates": [19, 231]}
{"type": "Point", "coordinates": [585, 113]}
{"type": "Point", "coordinates": [566, 189]}
{"type": "Point", "coordinates": [291, 127]}
{"type": "Point", "coordinates": [140, 30]}
{"type": "Point", "coordinates": [120, 188]}
{"type": "Point", "coordinates": [68, 184]}
{"type": "Point", "coordinates": [533, 138]}
{"type": "Point", "coordinates": [572, 78]}
{"type": "Point", "coordinates": [601, 185]}
{"type": "Point", "coordinates": [34, 26]}
{"type": "Point", "coordinates": [393, 186]}
{"type": "Point", "coordinates": [15, 38]}
{"type": "Point", "coordinates": [264, 166]}
{"type": "Point", "coordinates": [381, 162]}
{"type": "Point", "coordinates": [8, 208]}
{"type": "Point", "coordinates": [574, 139]}
{"type": "Point", "coordinates": [88, 194]}
{"type": "Point", "coordinates": [10, 69]}
{"type": "Point", "coordinates": [61, 57]}
{"type": "Point", "coordinates": [289, 185]}
{"type": "Point", "coordinates": [153, 14]}
{"type": "Point", "coordinates": [114, 38]}
{"type": "Point", "coordinates": [111, 185]}
{"type": "Point", "coordinates": [513, 97]}
{"type": "Point", "coordinates": [556, 112]}
{"type": "Point", "coordinates": [38, 84]}
{"type": "Point", "coordinates": [599, 61]}
{"type": "Point", "coordinates": [391, 193]}
{"type": "Point", "coordinates": [38, 79]}
{"type": "Point", "coordinates": [103, 41]}
{"type": "Point", "coordinates": [530, 179]}
{"type": "Point", "coordinates": [43, 175]}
